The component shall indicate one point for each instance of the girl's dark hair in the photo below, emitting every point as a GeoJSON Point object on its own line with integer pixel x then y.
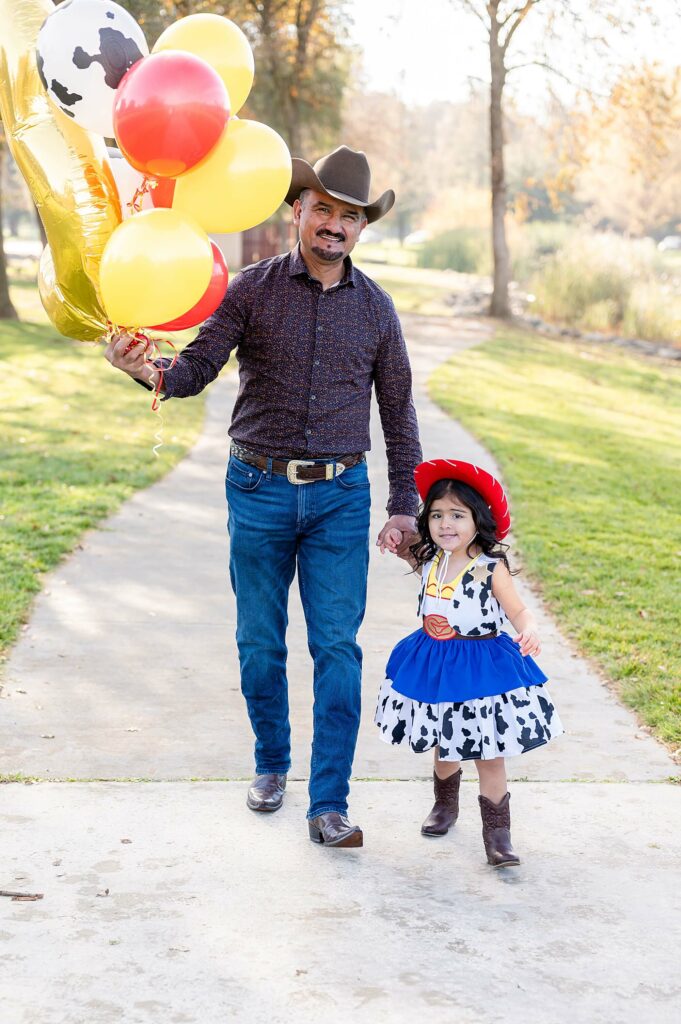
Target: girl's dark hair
{"type": "Point", "coordinates": [426, 548]}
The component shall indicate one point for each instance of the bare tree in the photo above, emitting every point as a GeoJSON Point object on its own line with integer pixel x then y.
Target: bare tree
{"type": "Point", "coordinates": [592, 31]}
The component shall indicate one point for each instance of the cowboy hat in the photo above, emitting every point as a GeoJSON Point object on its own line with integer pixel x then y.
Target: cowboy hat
{"type": "Point", "coordinates": [491, 491]}
{"type": "Point", "coordinates": [343, 174]}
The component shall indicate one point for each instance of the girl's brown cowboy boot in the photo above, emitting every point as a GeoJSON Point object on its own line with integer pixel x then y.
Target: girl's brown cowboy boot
{"type": "Point", "coordinates": [496, 832]}
{"type": "Point", "coordinates": [446, 807]}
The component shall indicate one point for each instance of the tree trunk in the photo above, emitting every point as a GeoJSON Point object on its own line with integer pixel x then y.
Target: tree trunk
{"type": "Point", "coordinates": [499, 305]}
{"type": "Point", "coordinates": [294, 140]}
{"type": "Point", "coordinates": [7, 310]}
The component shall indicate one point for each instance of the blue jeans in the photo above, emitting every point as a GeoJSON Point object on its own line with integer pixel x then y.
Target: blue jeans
{"type": "Point", "coordinates": [322, 528]}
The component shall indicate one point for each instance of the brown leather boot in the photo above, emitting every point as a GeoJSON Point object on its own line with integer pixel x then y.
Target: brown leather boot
{"type": "Point", "coordinates": [266, 792]}
{"type": "Point", "coordinates": [334, 829]}
{"type": "Point", "coordinates": [496, 832]}
{"type": "Point", "coordinates": [446, 807]}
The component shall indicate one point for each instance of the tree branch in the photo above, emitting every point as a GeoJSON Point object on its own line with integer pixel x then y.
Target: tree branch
{"type": "Point", "coordinates": [517, 10]}
{"type": "Point", "coordinates": [470, 6]}
{"type": "Point", "coordinates": [559, 74]}
{"type": "Point", "coordinates": [541, 64]}
{"type": "Point", "coordinates": [522, 14]}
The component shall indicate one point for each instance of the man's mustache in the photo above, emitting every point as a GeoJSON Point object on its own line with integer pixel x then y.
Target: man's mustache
{"type": "Point", "coordinates": [323, 233]}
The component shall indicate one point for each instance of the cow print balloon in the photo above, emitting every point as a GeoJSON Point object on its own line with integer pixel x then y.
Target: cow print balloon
{"type": "Point", "coordinates": [84, 48]}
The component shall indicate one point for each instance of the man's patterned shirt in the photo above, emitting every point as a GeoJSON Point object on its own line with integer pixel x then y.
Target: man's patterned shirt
{"type": "Point", "coordinates": [307, 361]}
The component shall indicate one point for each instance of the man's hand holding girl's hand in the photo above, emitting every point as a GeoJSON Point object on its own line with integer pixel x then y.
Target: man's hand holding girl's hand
{"type": "Point", "coordinates": [529, 642]}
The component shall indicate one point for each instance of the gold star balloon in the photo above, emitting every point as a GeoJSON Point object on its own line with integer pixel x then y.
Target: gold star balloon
{"type": "Point", "coordinates": [68, 174]}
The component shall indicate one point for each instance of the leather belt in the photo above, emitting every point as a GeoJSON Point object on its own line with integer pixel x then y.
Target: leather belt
{"type": "Point", "coordinates": [436, 628]}
{"type": "Point", "coordinates": [299, 471]}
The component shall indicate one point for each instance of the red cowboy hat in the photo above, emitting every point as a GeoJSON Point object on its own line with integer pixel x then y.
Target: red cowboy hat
{"type": "Point", "coordinates": [428, 473]}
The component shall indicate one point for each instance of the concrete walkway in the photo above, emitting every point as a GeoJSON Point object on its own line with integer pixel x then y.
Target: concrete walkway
{"type": "Point", "coordinates": [167, 901]}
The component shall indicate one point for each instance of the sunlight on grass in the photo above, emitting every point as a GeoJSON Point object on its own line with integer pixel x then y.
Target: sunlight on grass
{"type": "Point", "coordinates": [588, 443]}
{"type": "Point", "coordinates": [413, 290]}
{"type": "Point", "coordinates": [77, 440]}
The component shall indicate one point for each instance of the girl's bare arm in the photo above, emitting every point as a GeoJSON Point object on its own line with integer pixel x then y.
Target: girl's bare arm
{"type": "Point", "coordinates": [520, 617]}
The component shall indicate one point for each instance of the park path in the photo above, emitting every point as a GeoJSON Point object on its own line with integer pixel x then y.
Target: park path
{"type": "Point", "coordinates": [169, 901]}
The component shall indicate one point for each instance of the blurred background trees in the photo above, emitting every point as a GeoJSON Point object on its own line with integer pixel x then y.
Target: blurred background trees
{"type": "Point", "coordinates": [591, 186]}
{"type": "Point", "coordinates": [302, 56]}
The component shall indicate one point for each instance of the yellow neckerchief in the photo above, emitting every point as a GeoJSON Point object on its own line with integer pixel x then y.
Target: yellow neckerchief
{"type": "Point", "coordinates": [451, 584]}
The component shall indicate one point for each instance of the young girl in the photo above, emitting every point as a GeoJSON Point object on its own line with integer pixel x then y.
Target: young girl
{"type": "Point", "coordinates": [459, 684]}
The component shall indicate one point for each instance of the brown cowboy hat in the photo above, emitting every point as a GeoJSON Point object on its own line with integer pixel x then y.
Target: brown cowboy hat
{"type": "Point", "coordinates": [343, 174]}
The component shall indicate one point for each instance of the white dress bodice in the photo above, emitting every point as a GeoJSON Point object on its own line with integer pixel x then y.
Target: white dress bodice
{"type": "Point", "coordinates": [467, 603]}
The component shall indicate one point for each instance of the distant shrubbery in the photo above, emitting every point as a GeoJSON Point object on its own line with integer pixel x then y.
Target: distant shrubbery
{"type": "Point", "coordinates": [592, 280]}
{"type": "Point", "coordinates": [533, 243]}
{"type": "Point", "coordinates": [605, 282]}
{"type": "Point", "coordinates": [465, 250]}
{"type": "Point", "coordinates": [468, 250]}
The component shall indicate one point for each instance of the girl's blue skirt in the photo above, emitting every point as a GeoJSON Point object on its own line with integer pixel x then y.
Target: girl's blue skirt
{"type": "Point", "coordinates": [433, 671]}
{"type": "Point", "coordinates": [473, 699]}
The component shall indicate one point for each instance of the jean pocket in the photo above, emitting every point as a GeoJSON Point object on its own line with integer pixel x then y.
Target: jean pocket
{"type": "Point", "coordinates": [354, 479]}
{"type": "Point", "coordinates": [242, 475]}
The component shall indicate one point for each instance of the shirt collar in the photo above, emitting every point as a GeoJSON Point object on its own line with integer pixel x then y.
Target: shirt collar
{"type": "Point", "coordinates": [297, 267]}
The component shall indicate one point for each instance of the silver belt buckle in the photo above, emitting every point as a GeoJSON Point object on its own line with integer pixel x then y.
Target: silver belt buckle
{"type": "Point", "coordinates": [292, 470]}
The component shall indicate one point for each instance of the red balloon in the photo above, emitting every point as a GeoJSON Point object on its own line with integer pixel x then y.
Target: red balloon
{"type": "Point", "coordinates": [170, 110]}
{"type": "Point", "coordinates": [209, 301]}
{"type": "Point", "coordinates": [163, 194]}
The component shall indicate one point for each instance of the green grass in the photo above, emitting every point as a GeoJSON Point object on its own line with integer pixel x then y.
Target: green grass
{"type": "Point", "coordinates": [588, 442]}
{"type": "Point", "coordinates": [414, 290]}
{"type": "Point", "coordinates": [390, 252]}
{"type": "Point", "coordinates": [77, 439]}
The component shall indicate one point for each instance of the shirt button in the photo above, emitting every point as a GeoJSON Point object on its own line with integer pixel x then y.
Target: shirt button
{"type": "Point", "coordinates": [308, 431]}
{"type": "Point", "coordinates": [316, 362]}
{"type": "Point", "coordinates": [312, 398]}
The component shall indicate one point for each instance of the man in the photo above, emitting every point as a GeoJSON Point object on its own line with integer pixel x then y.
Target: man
{"type": "Point", "coordinates": [312, 334]}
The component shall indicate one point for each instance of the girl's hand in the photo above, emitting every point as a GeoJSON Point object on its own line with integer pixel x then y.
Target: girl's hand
{"type": "Point", "coordinates": [394, 533]}
{"type": "Point", "coordinates": [529, 642]}
{"type": "Point", "coordinates": [391, 541]}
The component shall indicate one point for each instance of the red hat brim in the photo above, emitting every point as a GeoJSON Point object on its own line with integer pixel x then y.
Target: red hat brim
{"type": "Point", "coordinates": [428, 473]}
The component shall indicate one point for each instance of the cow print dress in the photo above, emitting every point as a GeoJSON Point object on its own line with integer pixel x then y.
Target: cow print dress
{"type": "Point", "coordinates": [475, 699]}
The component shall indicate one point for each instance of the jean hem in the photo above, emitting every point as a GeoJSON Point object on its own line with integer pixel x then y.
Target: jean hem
{"type": "Point", "coordinates": [326, 809]}
{"type": "Point", "coordinates": [272, 771]}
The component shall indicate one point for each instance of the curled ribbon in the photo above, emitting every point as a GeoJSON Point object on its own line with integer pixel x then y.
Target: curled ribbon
{"type": "Point", "coordinates": [152, 354]}
{"type": "Point", "coordinates": [146, 186]}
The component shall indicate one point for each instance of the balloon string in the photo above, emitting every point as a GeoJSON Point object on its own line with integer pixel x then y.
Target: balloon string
{"type": "Point", "coordinates": [152, 352]}
{"type": "Point", "coordinates": [158, 436]}
{"type": "Point", "coordinates": [147, 185]}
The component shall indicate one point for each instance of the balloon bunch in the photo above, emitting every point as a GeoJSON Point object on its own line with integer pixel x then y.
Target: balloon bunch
{"type": "Point", "coordinates": [127, 228]}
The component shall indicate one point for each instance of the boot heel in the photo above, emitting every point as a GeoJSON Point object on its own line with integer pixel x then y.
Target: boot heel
{"type": "Point", "coordinates": [315, 834]}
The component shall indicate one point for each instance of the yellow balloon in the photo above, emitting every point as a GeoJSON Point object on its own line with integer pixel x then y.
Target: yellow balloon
{"type": "Point", "coordinates": [221, 44]}
{"type": "Point", "coordinates": [156, 266]}
{"type": "Point", "coordinates": [68, 174]}
{"type": "Point", "coordinates": [241, 182]}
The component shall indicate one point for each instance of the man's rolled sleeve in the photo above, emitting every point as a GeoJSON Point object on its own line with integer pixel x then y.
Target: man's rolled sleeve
{"type": "Point", "coordinates": [392, 378]}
